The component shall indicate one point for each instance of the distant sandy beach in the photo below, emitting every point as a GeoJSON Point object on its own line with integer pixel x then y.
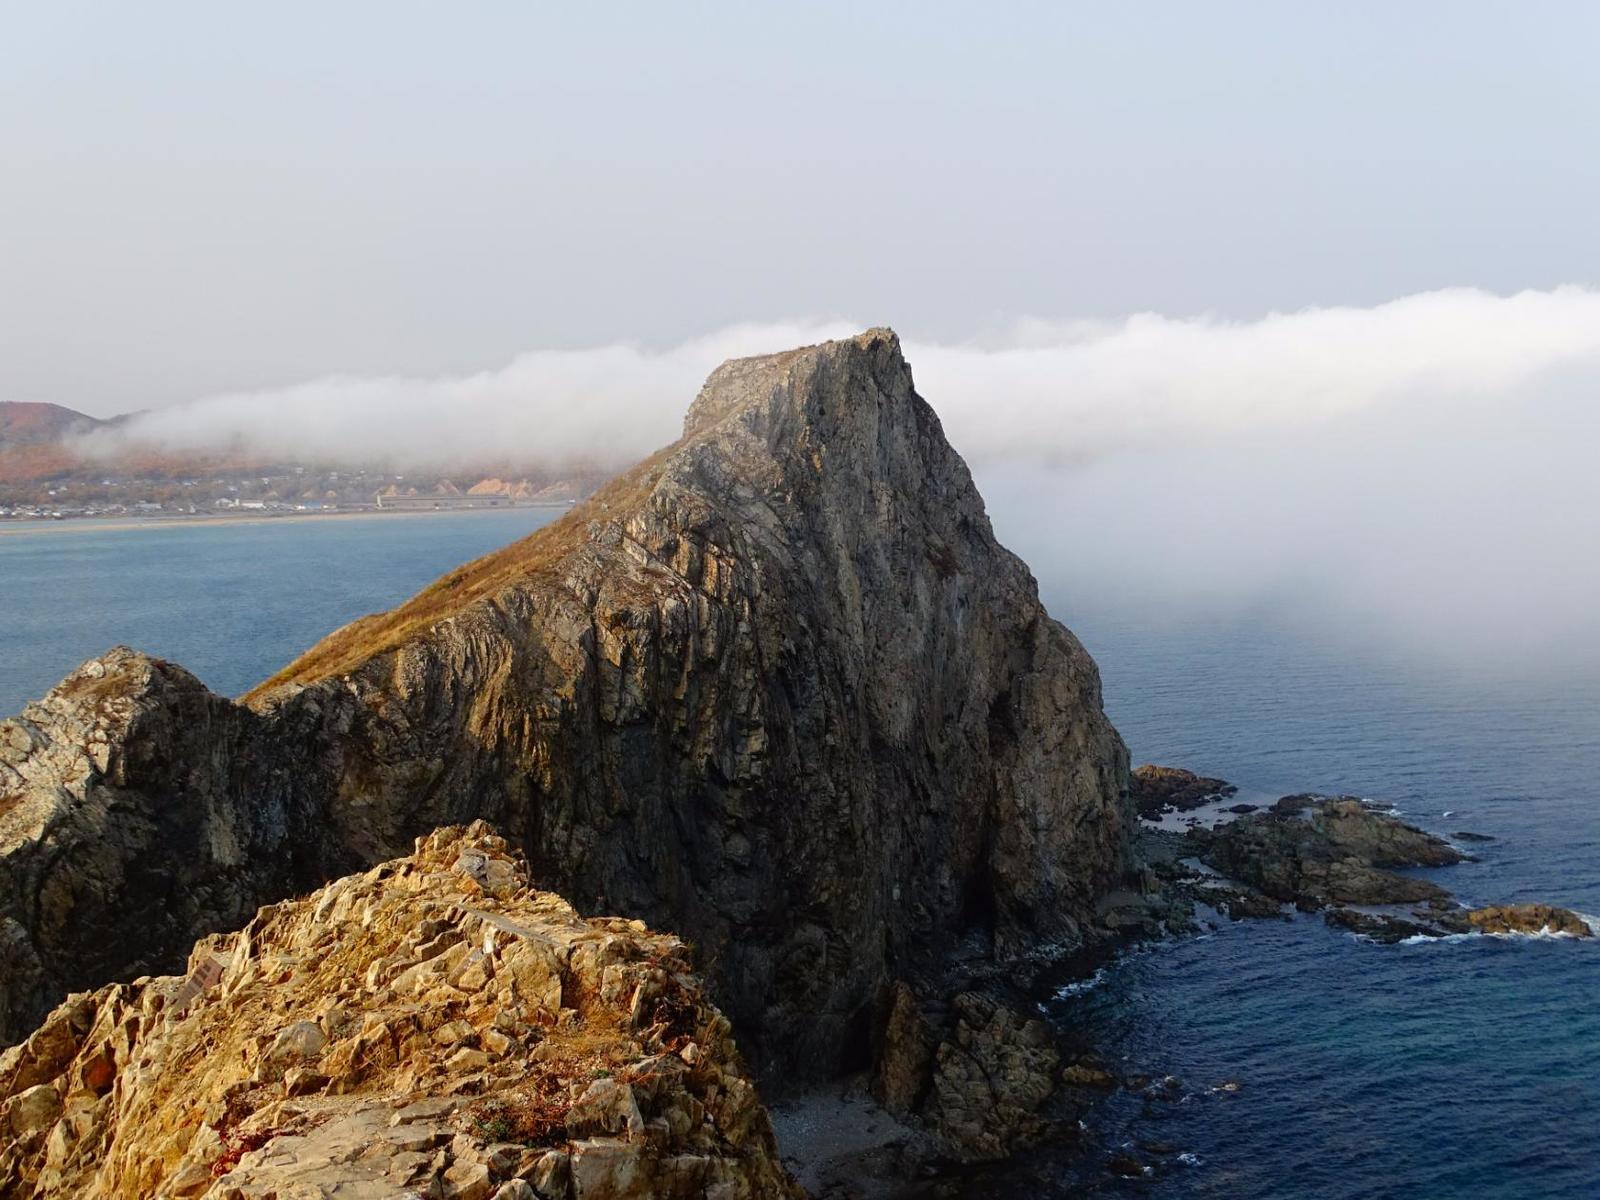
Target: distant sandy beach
{"type": "Point", "coordinates": [125, 524]}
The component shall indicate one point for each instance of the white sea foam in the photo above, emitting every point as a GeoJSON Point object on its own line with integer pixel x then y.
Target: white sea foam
{"type": "Point", "coordinates": [1079, 986]}
{"type": "Point", "coordinates": [1190, 1159]}
{"type": "Point", "coordinates": [1422, 939]}
{"type": "Point", "coordinates": [1546, 934]}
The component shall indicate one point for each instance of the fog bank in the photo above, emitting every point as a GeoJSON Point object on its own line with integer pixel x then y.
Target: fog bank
{"type": "Point", "coordinates": [1423, 466]}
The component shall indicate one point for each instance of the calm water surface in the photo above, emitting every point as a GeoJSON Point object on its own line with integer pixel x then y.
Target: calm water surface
{"type": "Point", "coordinates": [1469, 1068]}
{"type": "Point", "coordinates": [231, 602]}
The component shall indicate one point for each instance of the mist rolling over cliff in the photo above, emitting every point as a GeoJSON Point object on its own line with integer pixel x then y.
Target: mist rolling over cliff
{"type": "Point", "coordinates": [1416, 467]}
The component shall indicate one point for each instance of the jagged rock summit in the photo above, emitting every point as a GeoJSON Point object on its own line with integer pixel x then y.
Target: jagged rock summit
{"type": "Point", "coordinates": [432, 1027]}
{"type": "Point", "coordinates": [776, 689]}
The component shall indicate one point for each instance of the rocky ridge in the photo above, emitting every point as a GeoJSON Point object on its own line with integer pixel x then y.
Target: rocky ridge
{"type": "Point", "coordinates": [431, 1028]}
{"type": "Point", "coordinates": [777, 689]}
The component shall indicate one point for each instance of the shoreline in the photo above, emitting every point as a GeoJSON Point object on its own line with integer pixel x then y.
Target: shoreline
{"type": "Point", "coordinates": [26, 528]}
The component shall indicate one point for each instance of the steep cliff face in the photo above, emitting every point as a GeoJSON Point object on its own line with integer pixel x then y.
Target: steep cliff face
{"type": "Point", "coordinates": [777, 689]}
{"type": "Point", "coordinates": [139, 811]}
{"type": "Point", "coordinates": [433, 1027]}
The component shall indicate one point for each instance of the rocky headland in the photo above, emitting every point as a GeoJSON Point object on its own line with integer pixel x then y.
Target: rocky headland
{"type": "Point", "coordinates": [777, 689]}
{"type": "Point", "coordinates": [779, 730]}
{"type": "Point", "coordinates": [776, 692]}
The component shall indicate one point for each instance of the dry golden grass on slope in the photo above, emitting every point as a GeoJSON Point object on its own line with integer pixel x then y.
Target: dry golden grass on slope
{"type": "Point", "coordinates": [348, 648]}
{"type": "Point", "coordinates": [542, 550]}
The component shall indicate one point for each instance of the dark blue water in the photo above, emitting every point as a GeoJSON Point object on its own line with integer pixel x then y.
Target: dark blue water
{"type": "Point", "coordinates": [1467, 1068]}
{"type": "Point", "coordinates": [231, 602]}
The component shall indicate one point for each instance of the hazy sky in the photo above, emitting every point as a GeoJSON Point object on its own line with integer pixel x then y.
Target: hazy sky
{"type": "Point", "coordinates": [201, 198]}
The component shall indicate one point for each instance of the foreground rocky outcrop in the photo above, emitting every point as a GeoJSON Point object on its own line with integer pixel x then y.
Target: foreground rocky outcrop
{"type": "Point", "coordinates": [777, 689]}
{"type": "Point", "coordinates": [431, 1028]}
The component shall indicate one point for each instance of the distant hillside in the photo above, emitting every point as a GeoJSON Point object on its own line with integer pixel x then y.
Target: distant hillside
{"type": "Point", "coordinates": [44, 471]}
{"type": "Point", "coordinates": [28, 424]}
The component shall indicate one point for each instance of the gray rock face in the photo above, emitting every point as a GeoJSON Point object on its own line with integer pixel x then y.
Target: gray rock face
{"type": "Point", "coordinates": [1335, 855]}
{"type": "Point", "coordinates": [137, 811]}
{"type": "Point", "coordinates": [991, 1080]}
{"type": "Point", "coordinates": [778, 689]}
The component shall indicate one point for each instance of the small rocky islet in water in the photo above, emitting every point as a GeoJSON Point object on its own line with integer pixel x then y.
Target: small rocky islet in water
{"type": "Point", "coordinates": [1338, 855]}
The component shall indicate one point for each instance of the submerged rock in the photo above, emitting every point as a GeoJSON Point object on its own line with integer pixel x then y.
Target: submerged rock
{"type": "Point", "coordinates": [407, 1031]}
{"type": "Point", "coordinates": [1379, 927]}
{"type": "Point", "coordinates": [1126, 1166]}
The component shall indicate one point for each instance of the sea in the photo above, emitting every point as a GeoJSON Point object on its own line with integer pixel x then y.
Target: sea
{"type": "Point", "coordinates": [1311, 1064]}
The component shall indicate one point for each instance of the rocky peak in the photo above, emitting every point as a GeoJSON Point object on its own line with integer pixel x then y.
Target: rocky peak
{"type": "Point", "coordinates": [777, 689]}
{"type": "Point", "coordinates": [794, 383]}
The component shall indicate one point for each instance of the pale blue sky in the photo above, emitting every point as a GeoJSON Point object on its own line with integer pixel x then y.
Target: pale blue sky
{"type": "Point", "coordinates": [200, 197]}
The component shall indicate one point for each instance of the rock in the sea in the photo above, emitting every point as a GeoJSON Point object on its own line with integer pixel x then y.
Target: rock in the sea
{"type": "Point", "coordinates": [1379, 927]}
{"type": "Point", "coordinates": [448, 1039]}
{"type": "Point", "coordinates": [1156, 790]}
{"type": "Point", "coordinates": [1126, 1166]}
{"type": "Point", "coordinates": [777, 689]}
{"type": "Point", "coordinates": [1462, 835]}
{"type": "Point", "coordinates": [1378, 839]}
{"type": "Point", "coordinates": [1088, 1073]}
{"type": "Point", "coordinates": [1336, 855]}
{"type": "Point", "coordinates": [1528, 918]}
